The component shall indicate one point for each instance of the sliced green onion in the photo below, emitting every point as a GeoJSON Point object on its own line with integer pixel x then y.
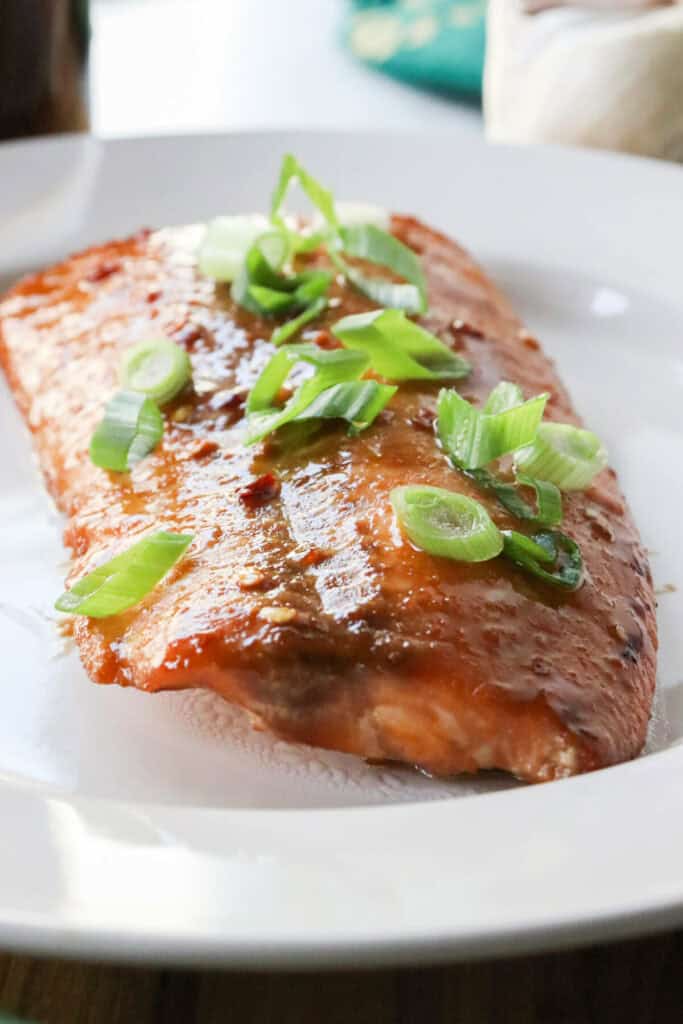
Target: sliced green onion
{"type": "Point", "coordinates": [380, 291]}
{"type": "Point", "coordinates": [158, 368]}
{"type": "Point", "coordinates": [272, 377]}
{"type": "Point", "coordinates": [261, 287]}
{"type": "Point", "coordinates": [364, 241]}
{"type": "Point", "coordinates": [358, 402]}
{"type": "Point", "coordinates": [267, 256]}
{"type": "Point", "coordinates": [264, 420]}
{"type": "Point", "coordinates": [544, 549]}
{"type": "Point", "coordinates": [321, 198]}
{"type": "Point", "coordinates": [351, 214]}
{"type": "Point", "coordinates": [525, 549]}
{"type": "Point", "coordinates": [473, 438]}
{"type": "Point", "coordinates": [131, 428]}
{"type": "Point", "coordinates": [292, 327]}
{"type": "Point", "coordinates": [226, 242]}
{"type": "Point", "coordinates": [503, 397]}
{"type": "Point", "coordinates": [311, 285]}
{"type": "Point", "coordinates": [446, 523]}
{"type": "Point", "coordinates": [269, 300]}
{"type": "Point", "coordinates": [548, 501]}
{"type": "Point", "coordinates": [261, 268]}
{"type": "Point", "coordinates": [308, 241]}
{"type": "Point", "coordinates": [264, 261]}
{"type": "Point", "coordinates": [506, 493]}
{"type": "Point", "coordinates": [370, 243]}
{"type": "Point", "coordinates": [548, 497]}
{"type": "Point", "coordinates": [398, 348]}
{"type": "Point", "coordinates": [123, 581]}
{"type": "Point", "coordinates": [331, 368]}
{"type": "Point", "coordinates": [240, 292]}
{"type": "Point", "coordinates": [565, 455]}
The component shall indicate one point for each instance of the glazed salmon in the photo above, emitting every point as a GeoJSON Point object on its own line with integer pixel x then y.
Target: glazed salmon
{"type": "Point", "coordinates": [299, 599]}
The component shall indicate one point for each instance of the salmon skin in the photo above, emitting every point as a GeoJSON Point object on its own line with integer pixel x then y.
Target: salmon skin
{"type": "Point", "coordinates": [299, 600]}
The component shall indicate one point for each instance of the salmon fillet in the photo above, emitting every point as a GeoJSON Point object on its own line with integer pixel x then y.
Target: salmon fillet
{"type": "Point", "coordinates": [299, 600]}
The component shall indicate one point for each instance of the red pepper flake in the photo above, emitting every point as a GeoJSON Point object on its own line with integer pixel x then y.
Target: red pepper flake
{"type": "Point", "coordinates": [260, 491]}
{"type": "Point", "coordinates": [324, 339]}
{"type": "Point", "coordinates": [423, 419]}
{"type": "Point", "coordinates": [528, 340]}
{"type": "Point", "coordinates": [283, 395]}
{"type": "Point", "coordinates": [202, 447]}
{"type": "Point", "coordinates": [103, 271]}
{"type": "Point", "coordinates": [229, 400]}
{"type": "Point", "coordinates": [188, 334]}
{"type": "Point", "coordinates": [153, 296]}
{"type": "Point", "coordinates": [460, 327]}
{"type": "Point", "coordinates": [253, 579]}
{"type": "Point", "coordinates": [601, 531]}
{"type": "Point", "coordinates": [313, 557]}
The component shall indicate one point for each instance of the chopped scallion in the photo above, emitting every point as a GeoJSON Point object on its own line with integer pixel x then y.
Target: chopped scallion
{"type": "Point", "coordinates": [548, 497]}
{"type": "Point", "coordinates": [292, 327]}
{"type": "Point", "coordinates": [548, 501]}
{"type": "Point", "coordinates": [504, 396]}
{"type": "Point", "coordinates": [261, 287]}
{"type": "Point", "coordinates": [366, 241]}
{"type": "Point", "coordinates": [157, 368]}
{"type": "Point", "coordinates": [226, 242]}
{"type": "Point", "coordinates": [398, 348]}
{"type": "Point", "coordinates": [474, 438]}
{"type": "Point", "coordinates": [290, 172]}
{"type": "Point", "coordinates": [131, 428]}
{"type": "Point", "coordinates": [446, 523]}
{"type": "Point", "coordinates": [124, 580]}
{"type": "Point", "coordinates": [379, 290]}
{"type": "Point", "coordinates": [358, 402]}
{"type": "Point", "coordinates": [269, 300]}
{"type": "Point", "coordinates": [332, 368]}
{"type": "Point", "coordinates": [266, 258]}
{"type": "Point", "coordinates": [350, 214]}
{"type": "Point", "coordinates": [370, 243]}
{"type": "Point", "coordinates": [536, 554]}
{"type": "Point", "coordinates": [564, 455]}
{"type": "Point", "coordinates": [311, 285]}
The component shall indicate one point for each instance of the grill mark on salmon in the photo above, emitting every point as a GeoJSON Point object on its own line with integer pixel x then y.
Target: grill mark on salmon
{"type": "Point", "coordinates": [309, 609]}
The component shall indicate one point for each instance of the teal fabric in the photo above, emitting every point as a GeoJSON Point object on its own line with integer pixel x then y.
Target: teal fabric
{"type": "Point", "coordinates": [437, 44]}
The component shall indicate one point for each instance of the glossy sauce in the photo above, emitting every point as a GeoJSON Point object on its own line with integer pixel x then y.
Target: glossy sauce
{"type": "Point", "coordinates": [299, 598]}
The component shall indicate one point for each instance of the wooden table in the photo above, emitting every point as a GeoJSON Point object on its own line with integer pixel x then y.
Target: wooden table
{"type": "Point", "coordinates": [635, 983]}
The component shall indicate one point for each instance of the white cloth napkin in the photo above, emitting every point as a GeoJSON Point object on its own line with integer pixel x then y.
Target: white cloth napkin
{"type": "Point", "coordinates": [603, 73]}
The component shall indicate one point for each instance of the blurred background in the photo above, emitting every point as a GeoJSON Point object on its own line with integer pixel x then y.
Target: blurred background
{"type": "Point", "coordinates": [605, 73]}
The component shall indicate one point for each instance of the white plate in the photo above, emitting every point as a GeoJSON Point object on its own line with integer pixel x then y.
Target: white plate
{"type": "Point", "coordinates": [161, 827]}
